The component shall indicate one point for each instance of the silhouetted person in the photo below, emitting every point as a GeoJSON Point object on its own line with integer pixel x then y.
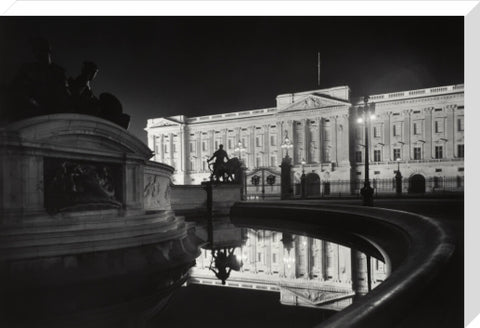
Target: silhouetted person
{"type": "Point", "coordinates": [83, 98]}
{"type": "Point", "coordinates": [220, 155]}
{"type": "Point", "coordinates": [40, 87]}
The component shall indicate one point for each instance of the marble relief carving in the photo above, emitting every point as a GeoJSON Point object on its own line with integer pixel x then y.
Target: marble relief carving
{"type": "Point", "coordinates": [71, 184]}
{"type": "Point", "coordinates": [156, 193]}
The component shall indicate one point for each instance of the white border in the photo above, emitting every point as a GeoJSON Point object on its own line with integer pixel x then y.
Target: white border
{"type": "Point", "coordinates": [239, 8]}
{"type": "Point", "coordinates": [326, 8]}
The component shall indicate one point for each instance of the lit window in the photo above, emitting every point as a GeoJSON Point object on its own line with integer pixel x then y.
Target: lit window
{"type": "Point", "coordinates": [396, 154]}
{"type": "Point", "coordinates": [273, 161]}
{"type": "Point", "coordinates": [438, 126]}
{"type": "Point", "coordinates": [272, 141]}
{"type": "Point", "coordinates": [417, 153]}
{"type": "Point", "coordinates": [460, 124]}
{"type": "Point", "coordinates": [460, 151]}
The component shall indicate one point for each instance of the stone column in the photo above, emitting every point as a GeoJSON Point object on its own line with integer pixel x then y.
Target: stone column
{"type": "Point", "coordinates": [450, 132]}
{"type": "Point", "coordinates": [388, 138]}
{"type": "Point", "coordinates": [280, 138]}
{"type": "Point", "coordinates": [359, 273]}
{"type": "Point", "coordinates": [170, 141]}
{"type": "Point", "coordinates": [407, 149]}
{"type": "Point", "coordinates": [252, 145]}
{"type": "Point", "coordinates": [319, 139]}
{"type": "Point", "coordinates": [334, 136]}
{"type": "Point", "coordinates": [266, 145]}
{"type": "Point", "coordinates": [198, 150]}
{"type": "Point", "coordinates": [428, 152]}
{"type": "Point", "coordinates": [329, 261]}
{"type": "Point", "coordinates": [306, 144]}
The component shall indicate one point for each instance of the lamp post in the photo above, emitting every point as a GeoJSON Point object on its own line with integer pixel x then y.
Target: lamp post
{"type": "Point", "coordinates": [239, 149]}
{"type": "Point", "coordinates": [366, 115]}
{"type": "Point", "coordinates": [286, 167]}
{"type": "Point", "coordinates": [302, 181]}
{"type": "Point", "coordinates": [398, 179]}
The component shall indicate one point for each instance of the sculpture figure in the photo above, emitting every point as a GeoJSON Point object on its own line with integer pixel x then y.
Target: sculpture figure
{"type": "Point", "coordinates": [218, 166]}
{"type": "Point", "coordinates": [39, 88]}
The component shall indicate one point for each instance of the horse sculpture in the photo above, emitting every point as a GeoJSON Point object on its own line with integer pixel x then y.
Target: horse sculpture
{"type": "Point", "coordinates": [231, 171]}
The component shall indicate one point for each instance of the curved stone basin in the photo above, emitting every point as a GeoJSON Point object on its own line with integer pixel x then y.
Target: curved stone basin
{"type": "Point", "coordinates": [415, 247]}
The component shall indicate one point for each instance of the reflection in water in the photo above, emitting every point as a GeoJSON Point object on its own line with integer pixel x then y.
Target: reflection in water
{"type": "Point", "coordinates": [306, 271]}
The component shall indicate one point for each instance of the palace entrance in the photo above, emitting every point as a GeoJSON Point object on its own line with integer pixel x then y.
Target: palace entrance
{"type": "Point", "coordinates": [416, 184]}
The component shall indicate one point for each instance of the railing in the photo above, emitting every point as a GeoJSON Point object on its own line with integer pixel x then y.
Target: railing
{"type": "Point", "coordinates": [253, 112]}
{"type": "Point", "coordinates": [412, 93]}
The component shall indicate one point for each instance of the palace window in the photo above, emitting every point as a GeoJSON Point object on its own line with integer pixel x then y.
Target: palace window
{"type": "Point", "coordinates": [259, 161]}
{"type": "Point", "coordinates": [165, 149]}
{"type": "Point", "coordinates": [326, 134]}
{"type": "Point", "coordinates": [438, 126]}
{"type": "Point", "coordinates": [174, 148]}
{"type": "Point", "coordinates": [273, 142]}
{"type": "Point", "coordinates": [257, 142]}
{"type": "Point", "coordinates": [396, 154]}
{"type": "Point", "coordinates": [377, 157]}
{"type": "Point", "coordinates": [273, 161]}
{"type": "Point", "coordinates": [460, 124]}
{"type": "Point", "coordinates": [358, 156]}
{"type": "Point", "coordinates": [417, 128]}
{"type": "Point", "coordinates": [191, 165]}
{"type": "Point", "coordinates": [204, 146]}
{"type": "Point", "coordinates": [377, 131]}
{"type": "Point", "coordinates": [438, 152]}
{"type": "Point", "coordinates": [397, 131]}
{"type": "Point", "coordinates": [192, 147]}
{"type": "Point", "coordinates": [417, 153]}
{"type": "Point", "coordinates": [229, 143]}
{"type": "Point", "coordinates": [216, 144]}
{"type": "Point", "coordinates": [274, 258]}
{"type": "Point", "coordinates": [204, 165]}
{"type": "Point", "coordinates": [460, 151]}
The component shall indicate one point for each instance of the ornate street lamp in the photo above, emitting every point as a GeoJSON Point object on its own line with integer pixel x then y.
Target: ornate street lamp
{"type": "Point", "coordinates": [286, 167]}
{"type": "Point", "coordinates": [366, 115]}
{"type": "Point", "coordinates": [398, 179]}
{"type": "Point", "coordinates": [287, 144]}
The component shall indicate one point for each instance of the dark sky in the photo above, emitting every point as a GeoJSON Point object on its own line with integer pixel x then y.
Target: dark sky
{"type": "Point", "coordinates": [164, 66]}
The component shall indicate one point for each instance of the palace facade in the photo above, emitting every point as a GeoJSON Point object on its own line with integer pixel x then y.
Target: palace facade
{"type": "Point", "coordinates": [420, 132]}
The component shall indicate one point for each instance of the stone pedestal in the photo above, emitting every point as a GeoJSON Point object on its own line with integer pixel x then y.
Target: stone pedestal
{"type": "Point", "coordinates": [82, 206]}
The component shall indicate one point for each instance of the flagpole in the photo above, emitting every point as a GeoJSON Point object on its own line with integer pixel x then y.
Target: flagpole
{"type": "Point", "coordinates": [318, 69]}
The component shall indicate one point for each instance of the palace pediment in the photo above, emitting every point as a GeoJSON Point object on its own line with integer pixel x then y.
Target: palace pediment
{"type": "Point", "coordinates": [165, 121]}
{"type": "Point", "coordinates": [314, 101]}
{"type": "Point", "coordinates": [317, 297]}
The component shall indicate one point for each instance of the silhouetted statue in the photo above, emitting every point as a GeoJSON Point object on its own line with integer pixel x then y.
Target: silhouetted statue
{"type": "Point", "coordinates": [83, 98]}
{"type": "Point", "coordinates": [40, 87]}
{"type": "Point", "coordinates": [218, 166]}
{"type": "Point", "coordinates": [224, 262]}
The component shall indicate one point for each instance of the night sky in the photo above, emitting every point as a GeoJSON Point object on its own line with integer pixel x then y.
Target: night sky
{"type": "Point", "coordinates": [164, 66]}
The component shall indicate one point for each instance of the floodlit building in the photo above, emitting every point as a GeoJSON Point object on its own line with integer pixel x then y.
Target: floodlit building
{"type": "Point", "coordinates": [420, 132]}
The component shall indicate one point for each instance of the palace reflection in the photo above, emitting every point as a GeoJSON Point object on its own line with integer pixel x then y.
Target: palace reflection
{"type": "Point", "coordinates": [305, 271]}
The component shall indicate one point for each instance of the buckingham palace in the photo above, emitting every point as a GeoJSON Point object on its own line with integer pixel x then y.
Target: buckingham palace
{"type": "Point", "coordinates": [419, 133]}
